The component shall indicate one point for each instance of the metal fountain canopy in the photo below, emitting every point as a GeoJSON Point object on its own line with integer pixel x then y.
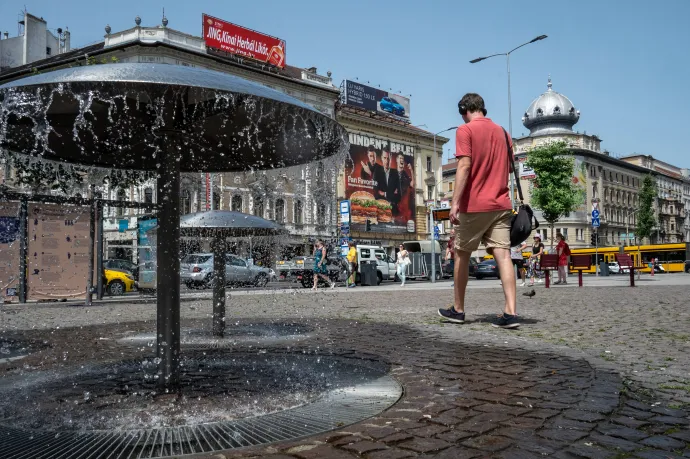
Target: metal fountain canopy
{"type": "Point", "coordinates": [219, 223]}
{"type": "Point", "coordinates": [115, 115]}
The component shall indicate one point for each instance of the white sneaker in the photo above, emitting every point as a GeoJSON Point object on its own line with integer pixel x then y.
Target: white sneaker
{"type": "Point", "coordinates": [522, 285]}
{"type": "Point", "coordinates": [539, 281]}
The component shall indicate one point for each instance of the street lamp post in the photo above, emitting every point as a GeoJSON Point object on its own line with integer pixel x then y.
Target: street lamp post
{"type": "Point", "coordinates": [510, 113]}
{"type": "Point", "coordinates": [431, 232]}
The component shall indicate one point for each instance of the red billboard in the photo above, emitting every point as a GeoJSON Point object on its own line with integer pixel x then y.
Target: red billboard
{"type": "Point", "coordinates": [225, 36]}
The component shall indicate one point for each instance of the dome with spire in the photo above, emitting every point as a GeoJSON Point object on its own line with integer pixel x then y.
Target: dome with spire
{"type": "Point", "coordinates": [550, 113]}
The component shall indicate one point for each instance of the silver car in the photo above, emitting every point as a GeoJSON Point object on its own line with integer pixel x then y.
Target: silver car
{"type": "Point", "coordinates": [196, 271]}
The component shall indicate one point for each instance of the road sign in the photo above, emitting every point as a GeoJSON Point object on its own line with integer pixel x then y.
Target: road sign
{"type": "Point", "coordinates": [595, 213]}
{"type": "Point", "coordinates": [436, 230]}
{"type": "Point", "coordinates": [344, 229]}
{"type": "Point", "coordinates": [595, 223]}
{"type": "Point", "coordinates": [345, 212]}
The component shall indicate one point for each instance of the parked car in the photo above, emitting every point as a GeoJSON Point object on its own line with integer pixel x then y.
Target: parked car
{"type": "Point", "coordinates": [448, 268]}
{"type": "Point", "coordinates": [390, 105]}
{"type": "Point", "coordinates": [486, 268]}
{"type": "Point", "coordinates": [117, 282]}
{"type": "Point", "coordinates": [614, 268]}
{"type": "Point", "coordinates": [122, 265]}
{"type": "Point", "coordinates": [196, 270]}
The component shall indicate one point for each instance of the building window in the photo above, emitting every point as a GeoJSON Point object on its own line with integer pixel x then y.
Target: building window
{"type": "Point", "coordinates": [258, 207]}
{"type": "Point", "coordinates": [148, 195]}
{"type": "Point", "coordinates": [215, 204]}
{"type": "Point", "coordinates": [450, 186]}
{"type": "Point", "coordinates": [428, 164]}
{"type": "Point", "coordinates": [321, 214]}
{"type": "Point", "coordinates": [48, 51]}
{"type": "Point", "coordinates": [430, 192]}
{"type": "Point", "coordinates": [237, 203]}
{"type": "Point", "coordinates": [280, 211]}
{"type": "Point", "coordinates": [121, 196]}
{"type": "Point", "coordinates": [298, 212]}
{"type": "Point", "coordinates": [185, 202]}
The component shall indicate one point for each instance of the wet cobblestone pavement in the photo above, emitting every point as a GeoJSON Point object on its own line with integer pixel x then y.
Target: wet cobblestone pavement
{"type": "Point", "coordinates": [590, 373]}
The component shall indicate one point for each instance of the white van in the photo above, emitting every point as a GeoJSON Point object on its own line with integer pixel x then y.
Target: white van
{"type": "Point", "coordinates": [385, 265]}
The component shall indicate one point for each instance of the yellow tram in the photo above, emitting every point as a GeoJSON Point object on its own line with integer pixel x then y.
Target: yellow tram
{"type": "Point", "coordinates": [671, 256]}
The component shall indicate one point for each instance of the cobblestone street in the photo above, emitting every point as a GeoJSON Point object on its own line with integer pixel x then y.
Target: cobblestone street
{"type": "Point", "coordinates": [592, 372]}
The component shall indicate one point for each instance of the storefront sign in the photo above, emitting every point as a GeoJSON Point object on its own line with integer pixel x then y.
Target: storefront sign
{"type": "Point", "coordinates": [379, 182]}
{"type": "Point", "coordinates": [231, 38]}
{"type": "Point", "coordinates": [376, 100]}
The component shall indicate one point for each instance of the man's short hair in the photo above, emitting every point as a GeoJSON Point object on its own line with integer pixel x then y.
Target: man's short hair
{"type": "Point", "coordinates": [371, 148]}
{"type": "Point", "coordinates": [472, 102]}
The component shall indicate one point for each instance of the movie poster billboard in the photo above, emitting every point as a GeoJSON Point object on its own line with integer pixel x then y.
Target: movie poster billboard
{"type": "Point", "coordinates": [231, 38]}
{"type": "Point", "coordinates": [58, 251]}
{"type": "Point", "coordinates": [9, 251]}
{"type": "Point", "coordinates": [376, 100]}
{"type": "Point", "coordinates": [380, 184]}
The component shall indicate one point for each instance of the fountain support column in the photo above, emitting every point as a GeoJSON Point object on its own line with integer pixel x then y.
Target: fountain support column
{"type": "Point", "coordinates": [219, 249]}
{"type": "Point", "coordinates": [168, 269]}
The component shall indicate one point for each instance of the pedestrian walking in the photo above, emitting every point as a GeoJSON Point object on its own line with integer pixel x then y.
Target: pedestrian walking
{"type": "Point", "coordinates": [519, 261]}
{"type": "Point", "coordinates": [402, 260]}
{"type": "Point", "coordinates": [481, 209]}
{"type": "Point", "coordinates": [352, 265]}
{"type": "Point", "coordinates": [534, 258]}
{"type": "Point", "coordinates": [563, 251]}
{"type": "Point", "coordinates": [320, 262]}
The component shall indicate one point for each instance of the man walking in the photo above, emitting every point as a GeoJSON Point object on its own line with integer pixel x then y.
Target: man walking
{"type": "Point", "coordinates": [481, 208]}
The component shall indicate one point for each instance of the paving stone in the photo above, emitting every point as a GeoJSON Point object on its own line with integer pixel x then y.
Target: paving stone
{"type": "Point", "coordinates": [498, 408]}
{"type": "Point", "coordinates": [586, 416]}
{"type": "Point", "coordinates": [541, 446]}
{"type": "Point", "coordinates": [669, 412]}
{"type": "Point", "coordinates": [670, 420]}
{"type": "Point", "coordinates": [638, 405]}
{"type": "Point", "coordinates": [377, 432]}
{"type": "Point", "coordinates": [515, 453]}
{"type": "Point", "coordinates": [342, 441]}
{"type": "Point", "coordinates": [424, 445]}
{"type": "Point", "coordinates": [542, 414]}
{"type": "Point", "coordinates": [562, 435]}
{"type": "Point", "coordinates": [588, 451]}
{"type": "Point", "coordinates": [363, 447]}
{"type": "Point", "coordinates": [458, 452]}
{"type": "Point", "coordinates": [656, 454]}
{"type": "Point", "coordinates": [323, 451]}
{"type": "Point", "coordinates": [612, 442]}
{"type": "Point", "coordinates": [428, 431]}
{"type": "Point", "coordinates": [559, 422]}
{"type": "Point", "coordinates": [683, 435]}
{"type": "Point", "coordinates": [523, 422]}
{"type": "Point", "coordinates": [455, 436]}
{"type": "Point", "coordinates": [621, 431]}
{"type": "Point", "coordinates": [636, 414]}
{"type": "Point", "coordinates": [397, 437]}
{"type": "Point", "coordinates": [490, 443]}
{"type": "Point", "coordinates": [391, 453]}
{"type": "Point", "coordinates": [515, 433]}
{"type": "Point", "coordinates": [663, 442]}
{"type": "Point", "coordinates": [629, 422]}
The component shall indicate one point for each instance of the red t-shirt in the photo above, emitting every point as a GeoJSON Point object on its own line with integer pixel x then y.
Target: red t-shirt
{"type": "Point", "coordinates": [487, 185]}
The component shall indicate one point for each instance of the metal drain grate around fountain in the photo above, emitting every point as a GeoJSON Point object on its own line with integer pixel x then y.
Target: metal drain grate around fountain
{"type": "Point", "coordinates": [334, 408]}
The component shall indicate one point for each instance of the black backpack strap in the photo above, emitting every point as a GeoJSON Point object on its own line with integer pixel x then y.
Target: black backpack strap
{"type": "Point", "coordinates": [511, 158]}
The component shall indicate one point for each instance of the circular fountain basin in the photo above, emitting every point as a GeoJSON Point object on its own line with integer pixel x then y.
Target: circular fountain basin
{"type": "Point", "coordinates": [264, 334]}
{"type": "Point", "coordinates": [228, 402]}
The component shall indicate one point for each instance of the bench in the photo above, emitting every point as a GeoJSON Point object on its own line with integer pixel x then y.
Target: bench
{"type": "Point", "coordinates": [625, 261]}
{"type": "Point", "coordinates": [546, 263]}
{"type": "Point", "coordinates": [580, 263]}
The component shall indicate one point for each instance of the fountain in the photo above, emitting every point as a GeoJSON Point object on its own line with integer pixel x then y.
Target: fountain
{"type": "Point", "coordinates": [220, 225]}
{"type": "Point", "coordinates": [169, 119]}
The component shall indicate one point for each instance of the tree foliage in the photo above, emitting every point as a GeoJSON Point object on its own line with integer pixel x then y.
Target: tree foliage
{"type": "Point", "coordinates": [645, 212]}
{"type": "Point", "coordinates": [553, 191]}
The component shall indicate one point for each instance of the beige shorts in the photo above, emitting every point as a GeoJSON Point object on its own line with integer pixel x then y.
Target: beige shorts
{"type": "Point", "coordinates": [490, 228]}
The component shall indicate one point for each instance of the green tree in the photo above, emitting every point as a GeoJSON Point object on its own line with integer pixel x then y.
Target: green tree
{"type": "Point", "coordinates": [553, 191]}
{"type": "Point", "coordinates": [645, 212]}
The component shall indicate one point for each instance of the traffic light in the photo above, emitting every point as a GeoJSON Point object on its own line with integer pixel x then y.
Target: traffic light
{"type": "Point", "coordinates": [594, 239]}
{"type": "Point", "coordinates": [367, 227]}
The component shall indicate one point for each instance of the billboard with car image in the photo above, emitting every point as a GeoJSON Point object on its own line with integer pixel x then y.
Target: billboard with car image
{"type": "Point", "coordinates": [376, 100]}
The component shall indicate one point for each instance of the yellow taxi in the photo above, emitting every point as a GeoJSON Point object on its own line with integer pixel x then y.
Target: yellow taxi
{"type": "Point", "coordinates": [117, 282]}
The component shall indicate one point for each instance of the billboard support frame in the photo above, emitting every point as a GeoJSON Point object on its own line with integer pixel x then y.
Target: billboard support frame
{"type": "Point", "coordinates": [88, 301]}
{"type": "Point", "coordinates": [99, 249]}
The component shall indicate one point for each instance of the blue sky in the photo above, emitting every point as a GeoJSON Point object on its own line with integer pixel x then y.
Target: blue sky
{"type": "Point", "coordinates": [625, 65]}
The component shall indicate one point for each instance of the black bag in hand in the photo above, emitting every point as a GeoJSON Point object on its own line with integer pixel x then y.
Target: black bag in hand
{"type": "Point", "coordinates": [521, 223]}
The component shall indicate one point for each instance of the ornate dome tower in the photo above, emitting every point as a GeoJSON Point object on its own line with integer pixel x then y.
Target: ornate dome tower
{"type": "Point", "coordinates": [550, 113]}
